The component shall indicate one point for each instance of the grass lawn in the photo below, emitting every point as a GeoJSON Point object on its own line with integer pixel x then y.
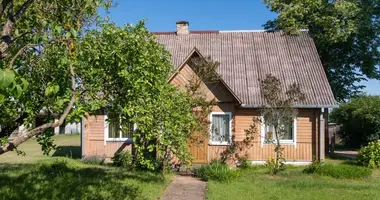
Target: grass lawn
{"type": "Point", "coordinates": [293, 184]}
{"type": "Point", "coordinates": [64, 176]}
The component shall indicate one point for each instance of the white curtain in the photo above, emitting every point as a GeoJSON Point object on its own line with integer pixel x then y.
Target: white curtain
{"type": "Point", "coordinates": [220, 130]}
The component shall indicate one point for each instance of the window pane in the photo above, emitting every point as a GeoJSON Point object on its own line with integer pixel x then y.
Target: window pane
{"type": "Point", "coordinates": [114, 129]}
{"type": "Point", "coordinates": [269, 133]}
{"type": "Point", "coordinates": [288, 133]}
{"type": "Point", "coordinates": [127, 131]}
{"type": "Point", "coordinates": [220, 130]}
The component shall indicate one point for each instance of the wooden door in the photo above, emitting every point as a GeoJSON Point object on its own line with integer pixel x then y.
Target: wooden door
{"type": "Point", "coordinates": [198, 145]}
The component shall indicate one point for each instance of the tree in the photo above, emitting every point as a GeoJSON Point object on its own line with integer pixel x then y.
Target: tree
{"type": "Point", "coordinates": [359, 120]}
{"type": "Point", "coordinates": [346, 33]}
{"type": "Point", "coordinates": [279, 113]}
{"type": "Point", "coordinates": [38, 49]}
{"type": "Point", "coordinates": [129, 72]}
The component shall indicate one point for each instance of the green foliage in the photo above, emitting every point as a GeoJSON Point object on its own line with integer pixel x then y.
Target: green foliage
{"type": "Point", "coordinates": [359, 120]}
{"type": "Point", "coordinates": [313, 167]}
{"type": "Point", "coordinates": [344, 171]}
{"type": "Point", "coordinates": [3, 140]}
{"type": "Point", "coordinates": [275, 166]}
{"type": "Point", "coordinates": [123, 159]}
{"type": "Point", "coordinates": [346, 35]}
{"type": "Point", "coordinates": [94, 160]}
{"type": "Point", "coordinates": [131, 70]}
{"type": "Point", "coordinates": [46, 141]}
{"type": "Point", "coordinates": [244, 163]}
{"type": "Point", "coordinates": [34, 68]}
{"type": "Point", "coordinates": [216, 171]}
{"type": "Point", "coordinates": [369, 155]}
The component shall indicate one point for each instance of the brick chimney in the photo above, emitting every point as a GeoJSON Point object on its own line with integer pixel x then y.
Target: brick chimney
{"type": "Point", "coordinates": [182, 28]}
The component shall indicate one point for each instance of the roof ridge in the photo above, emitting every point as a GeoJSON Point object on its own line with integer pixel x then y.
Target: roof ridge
{"type": "Point", "coordinates": [222, 31]}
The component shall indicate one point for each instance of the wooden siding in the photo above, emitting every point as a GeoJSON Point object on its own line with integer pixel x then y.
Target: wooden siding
{"type": "Point", "coordinates": [304, 150]}
{"type": "Point", "coordinates": [215, 91]}
{"type": "Point", "coordinates": [94, 144]}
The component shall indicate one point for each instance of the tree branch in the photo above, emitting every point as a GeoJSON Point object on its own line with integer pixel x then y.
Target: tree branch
{"type": "Point", "coordinates": [23, 8]}
{"type": "Point", "coordinates": [36, 131]}
{"type": "Point", "coordinates": [20, 52]}
{"type": "Point", "coordinates": [3, 6]}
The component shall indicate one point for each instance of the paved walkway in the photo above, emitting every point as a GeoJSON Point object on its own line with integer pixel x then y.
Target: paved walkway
{"type": "Point", "coordinates": [184, 188]}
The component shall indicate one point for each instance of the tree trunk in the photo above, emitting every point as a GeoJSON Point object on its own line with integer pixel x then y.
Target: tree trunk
{"type": "Point", "coordinates": [164, 161]}
{"type": "Point", "coordinates": [6, 38]}
{"type": "Point", "coordinates": [278, 151]}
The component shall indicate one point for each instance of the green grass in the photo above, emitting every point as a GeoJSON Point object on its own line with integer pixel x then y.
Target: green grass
{"type": "Point", "coordinates": [36, 176]}
{"type": "Point", "coordinates": [68, 146]}
{"type": "Point", "coordinates": [293, 184]}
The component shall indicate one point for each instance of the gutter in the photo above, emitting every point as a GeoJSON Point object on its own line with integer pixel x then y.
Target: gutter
{"type": "Point", "coordinates": [82, 136]}
{"type": "Point", "coordinates": [321, 122]}
{"type": "Point", "coordinates": [296, 106]}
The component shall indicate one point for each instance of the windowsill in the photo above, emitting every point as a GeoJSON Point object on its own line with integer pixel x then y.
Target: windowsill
{"type": "Point", "coordinates": [119, 140]}
{"type": "Point", "coordinates": [219, 144]}
{"type": "Point", "coordinates": [282, 142]}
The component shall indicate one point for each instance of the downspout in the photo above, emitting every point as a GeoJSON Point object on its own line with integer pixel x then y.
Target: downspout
{"type": "Point", "coordinates": [321, 135]}
{"type": "Point", "coordinates": [82, 121]}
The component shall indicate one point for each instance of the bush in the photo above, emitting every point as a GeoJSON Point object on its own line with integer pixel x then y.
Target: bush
{"type": "Point", "coordinates": [359, 120]}
{"type": "Point", "coordinates": [94, 160]}
{"type": "Point", "coordinates": [216, 171]}
{"type": "Point", "coordinates": [244, 163]}
{"type": "Point", "coordinates": [343, 171]}
{"type": "Point", "coordinates": [123, 159]}
{"type": "Point", "coordinates": [369, 156]}
{"type": "Point", "coordinates": [313, 167]}
{"type": "Point", "coordinates": [271, 164]}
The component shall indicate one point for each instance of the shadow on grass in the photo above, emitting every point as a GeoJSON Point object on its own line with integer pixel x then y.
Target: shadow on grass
{"type": "Point", "coordinates": [345, 159]}
{"type": "Point", "coordinates": [62, 181]}
{"type": "Point", "coordinates": [68, 151]}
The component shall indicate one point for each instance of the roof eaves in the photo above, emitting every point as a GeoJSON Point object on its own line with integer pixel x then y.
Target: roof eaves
{"type": "Point", "coordinates": [295, 106]}
{"type": "Point", "coordinates": [179, 67]}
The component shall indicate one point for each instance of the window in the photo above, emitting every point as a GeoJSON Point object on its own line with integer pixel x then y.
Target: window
{"type": "Point", "coordinates": [288, 136]}
{"type": "Point", "coordinates": [220, 128]}
{"type": "Point", "coordinates": [118, 129]}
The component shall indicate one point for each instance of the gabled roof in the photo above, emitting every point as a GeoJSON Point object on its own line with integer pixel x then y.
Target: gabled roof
{"type": "Point", "coordinates": [195, 52]}
{"type": "Point", "coordinates": [247, 57]}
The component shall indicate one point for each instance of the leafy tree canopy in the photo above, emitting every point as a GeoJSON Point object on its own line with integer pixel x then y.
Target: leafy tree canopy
{"type": "Point", "coordinates": [346, 33]}
{"type": "Point", "coordinates": [359, 120]}
{"type": "Point", "coordinates": [38, 57]}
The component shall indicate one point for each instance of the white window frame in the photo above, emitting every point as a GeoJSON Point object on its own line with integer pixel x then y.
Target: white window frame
{"type": "Point", "coordinates": [216, 143]}
{"type": "Point", "coordinates": [120, 139]}
{"type": "Point", "coordinates": [282, 142]}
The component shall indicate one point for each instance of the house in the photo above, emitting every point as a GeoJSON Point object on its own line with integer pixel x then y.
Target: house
{"type": "Point", "coordinates": [245, 57]}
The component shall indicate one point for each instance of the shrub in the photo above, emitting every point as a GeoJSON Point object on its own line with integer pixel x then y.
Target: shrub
{"type": "Point", "coordinates": [359, 119]}
{"type": "Point", "coordinates": [313, 167]}
{"type": "Point", "coordinates": [94, 160]}
{"type": "Point", "coordinates": [271, 164]}
{"type": "Point", "coordinates": [343, 171]}
{"type": "Point", "coordinates": [216, 171]}
{"type": "Point", "coordinates": [369, 156]}
{"type": "Point", "coordinates": [244, 163]}
{"type": "Point", "coordinates": [123, 159]}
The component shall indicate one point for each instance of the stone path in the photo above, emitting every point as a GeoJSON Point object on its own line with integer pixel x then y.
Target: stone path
{"type": "Point", "coordinates": [185, 187]}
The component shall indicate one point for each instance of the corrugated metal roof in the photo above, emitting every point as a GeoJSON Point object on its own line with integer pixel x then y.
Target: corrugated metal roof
{"type": "Point", "coordinates": [247, 57]}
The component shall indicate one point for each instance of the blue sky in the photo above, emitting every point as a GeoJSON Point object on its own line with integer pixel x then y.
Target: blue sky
{"type": "Point", "coordinates": [202, 15]}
